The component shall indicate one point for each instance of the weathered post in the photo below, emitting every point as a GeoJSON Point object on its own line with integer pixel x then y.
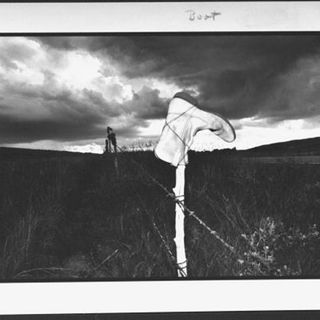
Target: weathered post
{"type": "Point", "coordinates": [184, 120]}
{"type": "Point", "coordinates": [179, 238]}
{"type": "Point", "coordinates": [112, 141]}
{"type": "Point", "coordinates": [106, 148]}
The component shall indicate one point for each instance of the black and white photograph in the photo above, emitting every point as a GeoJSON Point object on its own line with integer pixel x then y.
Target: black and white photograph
{"type": "Point", "coordinates": [159, 156]}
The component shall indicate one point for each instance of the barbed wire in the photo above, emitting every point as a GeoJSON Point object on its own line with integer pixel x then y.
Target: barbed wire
{"type": "Point", "coordinates": [192, 214]}
{"type": "Point", "coordinates": [182, 205]}
{"type": "Point", "coordinates": [165, 243]}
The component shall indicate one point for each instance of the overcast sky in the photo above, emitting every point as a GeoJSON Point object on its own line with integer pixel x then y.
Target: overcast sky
{"type": "Point", "coordinates": [62, 92]}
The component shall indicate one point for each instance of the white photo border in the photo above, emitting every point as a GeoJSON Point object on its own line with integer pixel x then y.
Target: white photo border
{"type": "Point", "coordinates": [79, 17]}
{"type": "Point", "coordinates": [158, 296]}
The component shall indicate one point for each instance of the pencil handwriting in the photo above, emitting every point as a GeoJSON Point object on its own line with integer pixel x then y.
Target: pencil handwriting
{"type": "Point", "coordinates": [193, 15]}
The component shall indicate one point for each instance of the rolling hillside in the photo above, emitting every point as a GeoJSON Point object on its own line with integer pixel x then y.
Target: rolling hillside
{"type": "Point", "coordinates": [294, 147]}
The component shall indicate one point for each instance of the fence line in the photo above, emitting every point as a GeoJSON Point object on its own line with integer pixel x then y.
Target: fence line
{"type": "Point", "coordinates": [192, 214]}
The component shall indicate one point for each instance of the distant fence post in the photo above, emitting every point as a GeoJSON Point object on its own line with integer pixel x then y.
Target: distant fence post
{"type": "Point", "coordinates": [112, 141]}
{"type": "Point", "coordinates": [106, 146]}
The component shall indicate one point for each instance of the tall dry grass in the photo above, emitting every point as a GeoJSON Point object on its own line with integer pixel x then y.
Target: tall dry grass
{"type": "Point", "coordinates": [63, 218]}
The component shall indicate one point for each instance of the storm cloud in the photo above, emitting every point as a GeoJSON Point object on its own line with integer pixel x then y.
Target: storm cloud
{"type": "Point", "coordinates": [71, 88]}
{"type": "Point", "coordinates": [238, 75]}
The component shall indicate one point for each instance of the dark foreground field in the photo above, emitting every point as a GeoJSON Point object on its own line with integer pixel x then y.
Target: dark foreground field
{"type": "Point", "coordinates": [68, 216]}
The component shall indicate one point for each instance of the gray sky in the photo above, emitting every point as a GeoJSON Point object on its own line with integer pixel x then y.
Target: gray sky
{"type": "Point", "coordinates": [62, 92]}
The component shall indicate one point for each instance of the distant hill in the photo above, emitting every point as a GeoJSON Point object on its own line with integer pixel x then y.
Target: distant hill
{"type": "Point", "coordinates": [309, 146]}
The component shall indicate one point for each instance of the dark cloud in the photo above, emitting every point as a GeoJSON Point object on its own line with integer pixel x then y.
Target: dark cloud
{"type": "Point", "coordinates": [270, 76]}
{"type": "Point", "coordinates": [146, 104]}
{"type": "Point", "coordinates": [235, 74]}
{"type": "Point", "coordinates": [17, 130]}
{"type": "Point", "coordinates": [59, 43]}
{"type": "Point", "coordinates": [58, 115]}
{"type": "Point", "coordinates": [69, 116]}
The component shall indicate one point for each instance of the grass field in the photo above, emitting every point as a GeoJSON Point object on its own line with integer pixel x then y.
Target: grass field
{"type": "Point", "coordinates": [71, 217]}
{"type": "Point", "coordinates": [291, 160]}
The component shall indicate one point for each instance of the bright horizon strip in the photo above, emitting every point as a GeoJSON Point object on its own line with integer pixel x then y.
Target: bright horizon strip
{"type": "Point", "coordinates": [204, 141]}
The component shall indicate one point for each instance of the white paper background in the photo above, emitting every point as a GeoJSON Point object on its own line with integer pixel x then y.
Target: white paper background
{"type": "Point", "coordinates": [155, 17]}
{"type": "Point", "coordinates": [159, 296]}
{"type": "Point", "coordinates": [164, 296]}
